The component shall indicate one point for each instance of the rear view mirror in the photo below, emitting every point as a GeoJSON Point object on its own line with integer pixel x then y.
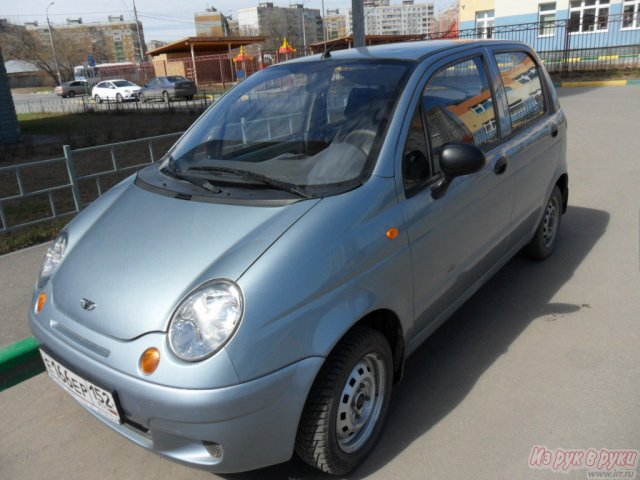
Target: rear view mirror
{"type": "Point", "coordinates": [457, 159]}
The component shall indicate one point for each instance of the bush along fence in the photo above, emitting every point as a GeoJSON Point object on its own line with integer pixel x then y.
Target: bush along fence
{"type": "Point", "coordinates": [45, 190]}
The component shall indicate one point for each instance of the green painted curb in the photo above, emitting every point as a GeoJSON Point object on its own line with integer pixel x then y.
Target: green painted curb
{"type": "Point", "coordinates": [19, 362]}
{"type": "Point", "coordinates": [634, 81]}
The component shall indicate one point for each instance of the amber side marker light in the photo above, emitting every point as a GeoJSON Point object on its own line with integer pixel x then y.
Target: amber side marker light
{"type": "Point", "coordinates": [42, 299]}
{"type": "Point", "coordinates": [393, 233]}
{"type": "Point", "coordinates": [150, 360]}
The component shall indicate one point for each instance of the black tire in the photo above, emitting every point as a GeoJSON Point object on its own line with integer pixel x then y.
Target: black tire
{"type": "Point", "coordinates": [545, 239]}
{"type": "Point", "coordinates": [189, 98]}
{"type": "Point", "coordinates": [142, 98]}
{"type": "Point", "coordinates": [97, 99]}
{"type": "Point", "coordinates": [71, 94]}
{"type": "Point", "coordinates": [362, 358]}
{"type": "Point", "coordinates": [119, 98]}
{"type": "Point", "coordinates": [165, 97]}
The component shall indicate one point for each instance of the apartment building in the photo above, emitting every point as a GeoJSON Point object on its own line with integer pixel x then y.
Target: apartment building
{"type": "Point", "coordinates": [301, 26]}
{"type": "Point", "coordinates": [383, 18]}
{"type": "Point", "coordinates": [335, 24]}
{"type": "Point", "coordinates": [212, 23]}
{"type": "Point", "coordinates": [116, 40]}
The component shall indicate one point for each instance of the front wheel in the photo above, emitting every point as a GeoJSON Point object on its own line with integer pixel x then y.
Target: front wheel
{"type": "Point", "coordinates": [545, 239]}
{"type": "Point", "coordinates": [344, 412]}
{"type": "Point", "coordinates": [165, 97]}
{"type": "Point", "coordinates": [119, 98]}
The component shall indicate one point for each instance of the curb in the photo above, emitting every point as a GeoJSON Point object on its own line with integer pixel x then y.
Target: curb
{"type": "Point", "coordinates": [598, 83]}
{"type": "Point", "coordinates": [19, 362]}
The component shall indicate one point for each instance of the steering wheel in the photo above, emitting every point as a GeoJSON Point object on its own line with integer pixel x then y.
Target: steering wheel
{"type": "Point", "coordinates": [361, 139]}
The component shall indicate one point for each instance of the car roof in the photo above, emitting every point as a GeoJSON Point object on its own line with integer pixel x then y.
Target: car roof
{"type": "Point", "coordinates": [406, 50]}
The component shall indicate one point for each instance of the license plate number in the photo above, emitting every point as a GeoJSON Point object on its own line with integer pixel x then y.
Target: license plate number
{"type": "Point", "coordinates": [94, 397]}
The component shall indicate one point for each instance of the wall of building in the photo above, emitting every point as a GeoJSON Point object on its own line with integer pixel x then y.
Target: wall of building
{"type": "Point", "coordinates": [383, 18]}
{"type": "Point", "coordinates": [509, 12]}
{"type": "Point", "coordinates": [9, 126]}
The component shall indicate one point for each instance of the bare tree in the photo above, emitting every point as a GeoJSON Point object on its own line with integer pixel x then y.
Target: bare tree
{"type": "Point", "coordinates": [20, 43]}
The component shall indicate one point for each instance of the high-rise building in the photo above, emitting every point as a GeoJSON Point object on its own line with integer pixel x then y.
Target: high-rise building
{"type": "Point", "coordinates": [383, 18]}
{"type": "Point", "coordinates": [116, 40]}
{"type": "Point", "coordinates": [335, 24]}
{"type": "Point", "coordinates": [212, 23]}
{"type": "Point", "coordinates": [299, 25]}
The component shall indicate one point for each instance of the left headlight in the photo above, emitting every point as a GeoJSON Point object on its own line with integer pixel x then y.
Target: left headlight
{"type": "Point", "coordinates": [53, 258]}
{"type": "Point", "coordinates": [205, 320]}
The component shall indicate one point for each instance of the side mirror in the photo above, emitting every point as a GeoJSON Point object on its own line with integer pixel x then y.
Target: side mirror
{"type": "Point", "coordinates": [456, 160]}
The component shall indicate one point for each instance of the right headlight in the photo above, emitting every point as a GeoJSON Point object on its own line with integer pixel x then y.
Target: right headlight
{"type": "Point", "coordinates": [205, 320]}
{"type": "Point", "coordinates": [53, 258]}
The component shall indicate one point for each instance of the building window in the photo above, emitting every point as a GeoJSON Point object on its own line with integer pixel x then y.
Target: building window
{"type": "Point", "coordinates": [589, 16]}
{"type": "Point", "coordinates": [631, 14]}
{"type": "Point", "coordinates": [547, 18]}
{"type": "Point", "coordinates": [484, 23]}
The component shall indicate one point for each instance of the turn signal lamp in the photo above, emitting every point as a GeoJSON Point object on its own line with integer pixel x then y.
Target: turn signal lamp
{"type": "Point", "coordinates": [42, 299]}
{"type": "Point", "coordinates": [150, 360]}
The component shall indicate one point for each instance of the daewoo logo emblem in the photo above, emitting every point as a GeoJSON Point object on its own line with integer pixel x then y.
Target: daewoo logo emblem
{"type": "Point", "coordinates": [87, 304]}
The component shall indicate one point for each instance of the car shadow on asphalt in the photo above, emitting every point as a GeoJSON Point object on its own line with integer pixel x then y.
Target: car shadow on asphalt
{"type": "Point", "coordinates": [441, 373]}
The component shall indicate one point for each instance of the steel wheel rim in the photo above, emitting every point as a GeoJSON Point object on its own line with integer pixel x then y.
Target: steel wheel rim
{"type": "Point", "coordinates": [360, 402]}
{"type": "Point", "coordinates": [550, 222]}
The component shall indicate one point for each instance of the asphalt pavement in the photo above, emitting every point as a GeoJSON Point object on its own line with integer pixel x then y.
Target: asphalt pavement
{"type": "Point", "coordinates": [546, 353]}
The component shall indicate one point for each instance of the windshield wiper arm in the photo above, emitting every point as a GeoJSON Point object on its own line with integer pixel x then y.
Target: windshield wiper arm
{"type": "Point", "coordinates": [246, 174]}
{"type": "Point", "coordinates": [172, 170]}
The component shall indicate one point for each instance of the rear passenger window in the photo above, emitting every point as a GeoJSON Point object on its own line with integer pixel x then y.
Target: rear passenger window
{"type": "Point", "coordinates": [458, 107]}
{"type": "Point", "coordinates": [521, 80]}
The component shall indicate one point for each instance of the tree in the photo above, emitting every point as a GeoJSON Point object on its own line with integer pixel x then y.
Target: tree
{"type": "Point", "coordinates": [20, 43]}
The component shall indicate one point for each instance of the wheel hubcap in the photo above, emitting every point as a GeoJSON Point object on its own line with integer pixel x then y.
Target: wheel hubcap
{"type": "Point", "coordinates": [550, 223]}
{"type": "Point", "coordinates": [360, 403]}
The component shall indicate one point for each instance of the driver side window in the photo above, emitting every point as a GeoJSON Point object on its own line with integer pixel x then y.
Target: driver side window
{"type": "Point", "coordinates": [417, 171]}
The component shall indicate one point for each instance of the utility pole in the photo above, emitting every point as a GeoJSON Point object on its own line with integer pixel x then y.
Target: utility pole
{"type": "Point", "coordinates": [304, 32]}
{"type": "Point", "coordinates": [135, 14]}
{"type": "Point", "coordinates": [53, 46]}
{"type": "Point", "coordinates": [324, 26]}
{"type": "Point", "coordinates": [357, 14]}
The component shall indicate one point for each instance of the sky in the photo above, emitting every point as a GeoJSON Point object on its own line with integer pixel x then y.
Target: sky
{"type": "Point", "coordinates": [166, 20]}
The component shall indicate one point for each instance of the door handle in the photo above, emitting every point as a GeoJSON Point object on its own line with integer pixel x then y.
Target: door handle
{"type": "Point", "coordinates": [501, 166]}
{"type": "Point", "coordinates": [554, 131]}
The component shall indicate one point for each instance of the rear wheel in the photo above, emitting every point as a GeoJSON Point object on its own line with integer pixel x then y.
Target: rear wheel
{"type": "Point", "coordinates": [189, 97]}
{"type": "Point", "coordinates": [165, 96]}
{"type": "Point", "coordinates": [347, 404]}
{"type": "Point", "coordinates": [142, 98]}
{"type": "Point", "coordinates": [545, 239]}
{"type": "Point", "coordinates": [71, 94]}
{"type": "Point", "coordinates": [97, 99]}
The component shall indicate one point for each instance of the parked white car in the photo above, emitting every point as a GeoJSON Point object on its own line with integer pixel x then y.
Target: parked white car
{"type": "Point", "coordinates": [118, 90]}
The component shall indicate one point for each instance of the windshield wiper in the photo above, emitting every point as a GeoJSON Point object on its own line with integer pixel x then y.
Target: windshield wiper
{"type": "Point", "coordinates": [172, 171]}
{"type": "Point", "coordinates": [246, 174]}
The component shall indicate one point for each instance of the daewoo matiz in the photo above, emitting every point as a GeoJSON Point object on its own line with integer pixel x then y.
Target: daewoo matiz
{"type": "Point", "coordinates": [258, 290]}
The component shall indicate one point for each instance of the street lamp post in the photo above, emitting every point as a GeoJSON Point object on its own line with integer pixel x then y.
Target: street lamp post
{"type": "Point", "coordinates": [53, 46]}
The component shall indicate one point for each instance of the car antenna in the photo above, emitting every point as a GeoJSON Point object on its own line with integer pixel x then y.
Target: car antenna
{"type": "Point", "coordinates": [327, 51]}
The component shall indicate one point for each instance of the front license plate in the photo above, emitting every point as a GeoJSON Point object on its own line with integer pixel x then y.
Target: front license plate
{"type": "Point", "coordinates": [94, 397]}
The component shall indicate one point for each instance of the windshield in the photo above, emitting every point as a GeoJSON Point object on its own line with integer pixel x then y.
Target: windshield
{"type": "Point", "coordinates": [314, 125]}
{"type": "Point", "coordinates": [123, 83]}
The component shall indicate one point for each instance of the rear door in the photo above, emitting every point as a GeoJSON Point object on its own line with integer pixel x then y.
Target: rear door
{"type": "Point", "coordinates": [532, 130]}
{"type": "Point", "coordinates": [456, 239]}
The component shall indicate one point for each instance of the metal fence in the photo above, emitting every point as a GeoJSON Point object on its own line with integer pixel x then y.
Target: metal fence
{"type": "Point", "coordinates": [605, 42]}
{"type": "Point", "coordinates": [52, 189]}
{"type": "Point", "coordinates": [84, 104]}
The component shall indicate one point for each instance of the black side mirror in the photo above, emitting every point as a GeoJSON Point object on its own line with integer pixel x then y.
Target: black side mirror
{"type": "Point", "coordinates": [457, 159]}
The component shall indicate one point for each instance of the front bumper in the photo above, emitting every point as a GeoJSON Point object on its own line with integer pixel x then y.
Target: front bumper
{"type": "Point", "coordinates": [254, 423]}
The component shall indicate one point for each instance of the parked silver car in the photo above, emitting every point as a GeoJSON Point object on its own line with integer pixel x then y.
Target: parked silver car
{"type": "Point", "coordinates": [258, 291]}
{"type": "Point", "coordinates": [168, 88]}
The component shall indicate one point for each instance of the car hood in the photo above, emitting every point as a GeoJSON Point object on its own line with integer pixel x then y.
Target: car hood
{"type": "Point", "coordinates": [138, 256]}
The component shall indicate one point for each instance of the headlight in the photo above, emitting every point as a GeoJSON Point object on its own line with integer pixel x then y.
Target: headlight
{"type": "Point", "coordinates": [53, 258]}
{"type": "Point", "coordinates": [205, 320]}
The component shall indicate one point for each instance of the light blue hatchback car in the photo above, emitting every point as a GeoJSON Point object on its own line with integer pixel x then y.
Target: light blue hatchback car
{"type": "Point", "coordinates": [257, 291]}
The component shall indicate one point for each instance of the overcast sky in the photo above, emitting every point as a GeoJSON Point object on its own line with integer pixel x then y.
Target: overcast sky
{"type": "Point", "coordinates": [166, 20]}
